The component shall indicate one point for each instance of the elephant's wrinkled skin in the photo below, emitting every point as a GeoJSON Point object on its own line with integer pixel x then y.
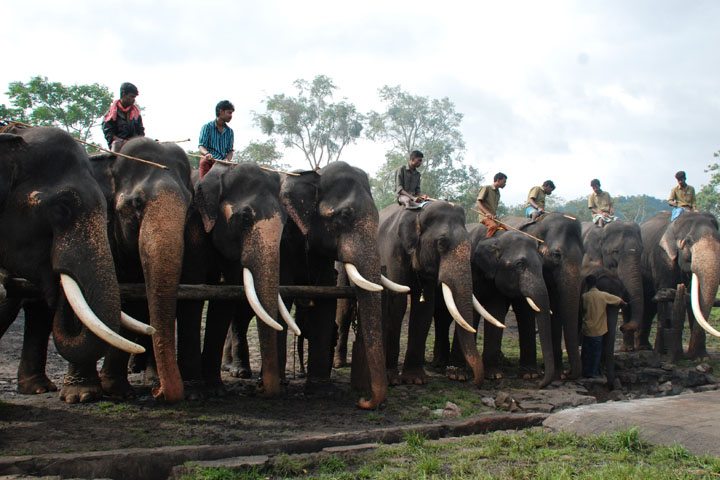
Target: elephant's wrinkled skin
{"type": "Point", "coordinates": [238, 224]}
{"type": "Point", "coordinates": [562, 253]}
{"type": "Point", "coordinates": [424, 249]}
{"type": "Point", "coordinates": [53, 221]}
{"type": "Point", "coordinates": [148, 208]}
{"type": "Point", "coordinates": [507, 270]}
{"type": "Point", "coordinates": [673, 253]}
{"type": "Point", "coordinates": [618, 247]}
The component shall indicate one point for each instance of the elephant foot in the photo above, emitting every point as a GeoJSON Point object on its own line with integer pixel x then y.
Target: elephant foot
{"type": "Point", "coordinates": [340, 361]}
{"type": "Point", "coordinates": [697, 354]}
{"type": "Point", "coordinates": [214, 390]}
{"type": "Point", "coordinates": [529, 373]}
{"type": "Point", "coordinates": [240, 372]}
{"type": "Point", "coordinates": [459, 374]}
{"type": "Point", "coordinates": [414, 376]}
{"type": "Point", "coordinates": [439, 364]}
{"type": "Point", "coordinates": [493, 373]}
{"type": "Point", "coordinates": [116, 388]}
{"type": "Point", "coordinates": [193, 390]}
{"type": "Point", "coordinates": [79, 389]}
{"type": "Point", "coordinates": [393, 377]}
{"type": "Point", "coordinates": [644, 346]}
{"type": "Point", "coordinates": [627, 348]}
{"type": "Point", "coordinates": [35, 384]}
{"type": "Point", "coordinates": [631, 326]}
{"type": "Point", "coordinates": [321, 388]}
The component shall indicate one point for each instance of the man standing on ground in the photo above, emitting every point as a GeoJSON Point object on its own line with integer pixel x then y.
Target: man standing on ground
{"type": "Point", "coordinates": [594, 325]}
{"type": "Point", "coordinates": [217, 138]}
{"type": "Point", "coordinates": [407, 182]}
{"type": "Point", "coordinates": [123, 121]}
{"type": "Point", "coordinates": [488, 200]}
{"type": "Point", "coordinates": [536, 199]}
{"type": "Point", "coordinates": [682, 196]}
{"type": "Point", "coordinates": [601, 205]}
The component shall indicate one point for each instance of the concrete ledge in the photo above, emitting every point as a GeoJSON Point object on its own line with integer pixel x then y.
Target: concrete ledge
{"type": "Point", "coordinates": [157, 463]}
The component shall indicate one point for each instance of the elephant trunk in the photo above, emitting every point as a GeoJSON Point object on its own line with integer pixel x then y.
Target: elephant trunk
{"type": "Point", "coordinates": [360, 249]}
{"type": "Point", "coordinates": [566, 311]}
{"type": "Point", "coordinates": [537, 291]}
{"type": "Point", "coordinates": [94, 272]}
{"type": "Point", "coordinates": [704, 286]}
{"type": "Point", "coordinates": [161, 245]}
{"type": "Point", "coordinates": [455, 272]}
{"type": "Point", "coordinates": [631, 276]}
{"type": "Point", "coordinates": [261, 255]}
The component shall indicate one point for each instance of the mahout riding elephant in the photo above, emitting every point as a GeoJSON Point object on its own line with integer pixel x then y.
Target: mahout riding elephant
{"type": "Point", "coordinates": [53, 221]}
{"type": "Point", "coordinates": [562, 252]}
{"type": "Point", "coordinates": [424, 249]}
{"type": "Point", "coordinates": [507, 270]}
{"type": "Point", "coordinates": [332, 217]}
{"type": "Point", "coordinates": [618, 247]}
{"type": "Point", "coordinates": [687, 251]}
{"type": "Point", "coordinates": [608, 281]}
{"type": "Point", "coordinates": [148, 210]}
{"type": "Point", "coordinates": [236, 241]}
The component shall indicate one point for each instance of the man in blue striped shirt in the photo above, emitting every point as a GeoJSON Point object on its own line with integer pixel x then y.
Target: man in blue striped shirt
{"type": "Point", "coordinates": [216, 138]}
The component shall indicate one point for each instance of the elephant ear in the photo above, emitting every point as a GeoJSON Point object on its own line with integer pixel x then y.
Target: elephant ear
{"type": "Point", "coordinates": [207, 197]}
{"type": "Point", "coordinates": [101, 168]}
{"type": "Point", "coordinates": [9, 143]}
{"type": "Point", "coordinates": [410, 230]}
{"type": "Point", "coordinates": [670, 243]}
{"type": "Point", "coordinates": [300, 196]}
{"type": "Point", "coordinates": [487, 256]}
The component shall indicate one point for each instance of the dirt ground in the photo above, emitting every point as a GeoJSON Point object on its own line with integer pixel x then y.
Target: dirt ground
{"type": "Point", "coordinates": [35, 424]}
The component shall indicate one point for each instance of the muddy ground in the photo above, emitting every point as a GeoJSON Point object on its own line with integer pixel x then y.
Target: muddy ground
{"type": "Point", "coordinates": [43, 424]}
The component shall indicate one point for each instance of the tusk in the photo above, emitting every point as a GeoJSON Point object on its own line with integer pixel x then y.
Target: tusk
{"type": "Point", "coordinates": [285, 314]}
{"type": "Point", "coordinates": [452, 308]}
{"type": "Point", "coordinates": [485, 314]}
{"type": "Point", "coordinates": [359, 280]}
{"type": "Point", "coordinates": [91, 321]}
{"type": "Point", "coordinates": [532, 304]}
{"type": "Point", "coordinates": [695, 302]}
{"type": "Point", "coordinates": [395, 287]}
{"type": "Point", "coordinates": [254, 301]}
{"type": "Point", "coordinates": [135, 326]}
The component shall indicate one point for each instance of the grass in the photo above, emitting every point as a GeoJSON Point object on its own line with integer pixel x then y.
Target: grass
{"type": "Point", "coordinates": [532, 453]}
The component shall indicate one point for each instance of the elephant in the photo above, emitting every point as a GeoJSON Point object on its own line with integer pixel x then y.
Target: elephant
{"type": "Point", "coordinates": [332, 217]}
{"type": "Point", "coordinates": [424, 249]}
{"type": "Point", "coordinates": [683, 251]}
{"type": "Point", "coordinates": [53, 220]}
{"type": "Point", "coordinates": [507, 269]}
{"type": "Point", "coordinates": [562, 252]}
{"type": "Point", "coordinates": [618, 247]}
{"type": "Point", "coordinates": [147, 211]}
{"type": "Point", "coordinates": [234, 234]}
{"type": "Point", "coordinates": [608, 281]}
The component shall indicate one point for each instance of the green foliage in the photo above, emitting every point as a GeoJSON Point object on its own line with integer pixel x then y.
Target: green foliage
{"type": "Point", "coordinates": [76, 108]}
{"type": "Point", "coordinates": [311, 122]}
{"type": "Point", "coordinates": [411, 122]}
{"type": "Point", "coordinates": [194, 158]}
{"type": "Point", "coordinates": [708, 196]}
{"type": "Point", "coordinates": [262, 153]}
{"type": "Point", "coordinates": [414, 440]}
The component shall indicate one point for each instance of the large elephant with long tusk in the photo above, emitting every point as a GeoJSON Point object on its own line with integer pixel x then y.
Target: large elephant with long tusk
{"type": "Point", "coordinates": [507, 270]}
{"type": "Point", "coordinates": [147, 210]}
{"type": "Point", "coordinates": [234, 236]}
{"type": "Point", "coordinates": [427, 250]}
{"type": "Point", "coordinates": [687, 251]}
{"type": "Point", "coordinates": [53, 221]}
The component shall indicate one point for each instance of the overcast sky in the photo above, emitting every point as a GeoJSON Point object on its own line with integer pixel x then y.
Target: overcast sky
{"type": "Point", "coordinates": [626, 91]}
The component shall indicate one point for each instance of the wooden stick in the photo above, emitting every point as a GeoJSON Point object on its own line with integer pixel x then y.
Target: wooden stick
{"type": "Point", "coordinates": [510, 227]}
{"type": "Point", "coordinates": [158, 165]}
{"type": "Point", "coordinates": [174, 141]}
{"type": "Point", "coordinates": [563, 214]}
{"type": "Point", "coordinates": [225, 162]}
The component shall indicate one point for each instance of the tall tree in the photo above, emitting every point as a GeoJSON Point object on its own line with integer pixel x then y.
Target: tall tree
{"type": "Point", "coordinates": [411, 122]}
{"type": "Point", "coordinates": [76, 108]}
{"type": "Point", "coordinates": [262, 153]}
{"type": "Point", "coordinates": [311, 122]}
{"type": "Point", "coordinates": [708, 197]}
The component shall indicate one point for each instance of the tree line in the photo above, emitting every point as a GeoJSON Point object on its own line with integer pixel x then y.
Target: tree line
{"type": "Point", "coordinates": [320, 126]}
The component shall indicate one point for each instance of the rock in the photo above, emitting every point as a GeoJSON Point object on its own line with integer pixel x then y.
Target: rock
{"type": "Point", "coordinates": [703, 368]}
{"type": "Point", "coordinates": [488, 402]}
{"type": "Point", "coordinates": [451, 410]}
{"type": "Point", "coordinates": [667, 366]}
{"type": "Point", "coordinates": [616, 396]}
{"type": "Point", "coordinates": [665, 387]}
{"type": "Point", "coordinates": [438, 412]}
{"type": "Point", "coordinates": [538, 407]}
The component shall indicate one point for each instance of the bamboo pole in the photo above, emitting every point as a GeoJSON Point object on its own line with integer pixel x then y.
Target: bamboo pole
{"type": "Point", "coordinates": [225, 162]}
{"type": "Point", "coordinates": [510, 227]}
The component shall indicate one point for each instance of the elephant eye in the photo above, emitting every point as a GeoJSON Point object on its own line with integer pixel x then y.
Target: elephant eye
{"type": "Point", "coordinates": [61, 210]}
{"type": "Point", "coordinates": [443, 244]}
{"type": "Point", "coordinates": [521, 264]}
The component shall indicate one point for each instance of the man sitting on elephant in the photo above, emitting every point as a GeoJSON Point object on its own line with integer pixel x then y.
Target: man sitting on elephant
{"type": "Point", "coordinates": [601, 205]}
{"type": "Point", "coordinates": [407, 182]}
{"type": "Point", "coordinates": [682, 196]}
{"type": "Point", "coordinates": [536, 199]}
{"type": "Point", "coordinates": [217, 138]}
{"type": "Point", "coordinates": [123, 121]}
{"type": "Point", "coordinates": [488, 200]}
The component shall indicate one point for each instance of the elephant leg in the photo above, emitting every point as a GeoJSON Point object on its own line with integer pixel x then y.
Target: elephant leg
{"type": "Point", "coordinates": [696, 345]}
{"type": "Point", "coordinates": [418, 328]}
{"type": "Point", "coordinates": [346, 312]}
{"type": "Point", "coordinates": [527, 340]}
{"type": "Point", "coordinates": [492, 338]}
{"type": "Point", "coordinates": [556, 333]}
{"type": "Point", "coordinates": [321, 341]}
{"type": "Point", "coordinates": [9, 309]}
{"type": "Point", "coordinates": [609, 346]}
{"type": "Point", "coordinates": [81, 384]}
{"type": "Point", "coordinates": [441, 344]}
{"type": "Point", "coordinates": [32, 378]}
{"type": "Point", "coordinates": [113, 375]}
{"type": "Point", "coordinates": [395, 307]}
{"type": "Point", "coordinates": [237, 338]}
{"type": "Point", "coordinates": [216, 328]}
{"type": "Point", "coordinates": [301, 356]}
{"type": "Point", "coordinates": [189, 320]}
